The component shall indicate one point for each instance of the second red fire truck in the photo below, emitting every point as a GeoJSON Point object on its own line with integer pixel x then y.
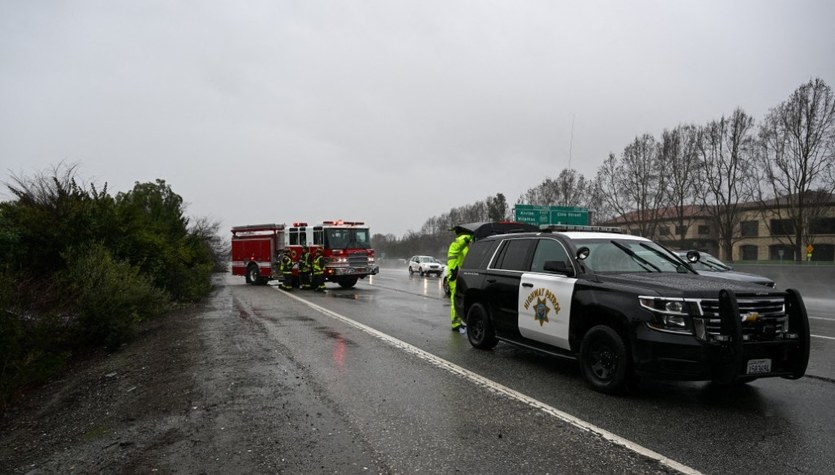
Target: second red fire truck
{"type": "Point", "coordinates": [346, 246]}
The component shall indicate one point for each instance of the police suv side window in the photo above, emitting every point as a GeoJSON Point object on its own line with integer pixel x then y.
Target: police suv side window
{"type": "Point", "coordinates": [548, 250]}
{"type": "Point", "coordinates": [513, 255]}
{"type": "Point", "coordinates": [478, 252]}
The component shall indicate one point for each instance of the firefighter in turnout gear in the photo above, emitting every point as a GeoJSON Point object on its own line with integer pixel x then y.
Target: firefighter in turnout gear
{"type": "Point", "coordinates": [319, 270]}
{"type": "Point", "coordinates": [455, 257]}
{"type": "Point", "coordinates": [304, 268]}
{"type": "Point", "coordinates": [285, 266]}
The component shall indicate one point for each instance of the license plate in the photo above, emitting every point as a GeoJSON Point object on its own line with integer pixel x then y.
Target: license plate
{"type": "Point", "coordinates": [759, 366]}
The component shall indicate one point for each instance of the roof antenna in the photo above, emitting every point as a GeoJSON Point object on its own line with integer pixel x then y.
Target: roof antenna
{"type": "Point", "coordinates": [571, 142]}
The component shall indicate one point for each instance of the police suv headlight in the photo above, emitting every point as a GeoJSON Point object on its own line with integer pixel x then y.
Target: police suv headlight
{"type": "Point", "coordinates": [668, 314]}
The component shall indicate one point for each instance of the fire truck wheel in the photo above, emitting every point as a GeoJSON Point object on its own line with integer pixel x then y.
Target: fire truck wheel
{"type": "Point", "coordinates": [252, 274]}
{"type": "Point", "coordinates": [347, 282]}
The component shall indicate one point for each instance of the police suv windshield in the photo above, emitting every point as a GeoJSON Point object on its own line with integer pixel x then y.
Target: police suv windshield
{"type": "Point", "coordinates": [629, 255]}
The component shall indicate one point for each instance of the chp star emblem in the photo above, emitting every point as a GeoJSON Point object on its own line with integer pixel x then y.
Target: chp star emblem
{"type": "Point", "coordinates": [541, 311]}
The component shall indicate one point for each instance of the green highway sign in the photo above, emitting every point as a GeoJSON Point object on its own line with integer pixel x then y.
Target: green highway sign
{"type": "Point", "coordinates": [539, 215]}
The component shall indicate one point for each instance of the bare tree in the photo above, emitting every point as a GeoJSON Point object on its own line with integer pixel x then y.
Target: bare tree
{"type": "Point", "coordinates": [725, 147]}
{"type": "Point", "coordinates": [433, 226]}
{"type": "Point", "coordinates": [543, 194]}
{"type": "Point", "coordinates": [570, 188]}
{"type": "Point", "coordinates": [599, 209]}
{"type": "Point", "coordinates": [46, 188]}
{"type": "Point", "coordinates": [679, 149]}
{"type": "Point", "coordinates": [496, 207]}
{"type": "Point", "coordinates": [797, 160]}
{"type": "Point", "coordinates": [208, 232]}
{"type": "Point", "coordinates": [635, 186]}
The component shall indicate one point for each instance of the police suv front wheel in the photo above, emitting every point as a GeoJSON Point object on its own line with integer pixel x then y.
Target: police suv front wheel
{"type": "Point", "coordinates": [480, 329]}
{"type": "Point", "coordinates": [604, 360]}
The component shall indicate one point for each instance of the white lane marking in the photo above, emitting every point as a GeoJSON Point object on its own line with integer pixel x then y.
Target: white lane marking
{"type": "Point", "coordinates": [826, 319]}
{"type": "Point", "coordinates": [501, 389]}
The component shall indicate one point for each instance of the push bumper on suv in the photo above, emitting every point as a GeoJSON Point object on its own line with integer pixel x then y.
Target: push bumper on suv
{"type": "Point", "coordinates": [733, 339]}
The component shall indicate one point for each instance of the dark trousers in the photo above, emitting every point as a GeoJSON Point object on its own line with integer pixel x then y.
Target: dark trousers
{"type": "Point", "coordinates": [304, 279]}
{"type": "Point", "coordinates": [318, 281]}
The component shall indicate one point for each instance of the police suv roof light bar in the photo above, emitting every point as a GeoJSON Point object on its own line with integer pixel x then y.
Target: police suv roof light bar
{"type": "Point", "coordinates": [580, 227]}
{"type": "Point", "coordinates": [339, 222]}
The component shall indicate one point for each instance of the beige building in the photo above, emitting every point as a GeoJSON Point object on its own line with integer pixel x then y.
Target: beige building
{"type": "Point", "coordinates": [760, 233]}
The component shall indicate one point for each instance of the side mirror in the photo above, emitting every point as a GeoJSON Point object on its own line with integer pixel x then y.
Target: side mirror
{"type": "Point", "coordinates": [583, 253]}
{"type": "Point", "coordinates": [559, 267]}
{"type": "Point", "coordinates": [693, 256]}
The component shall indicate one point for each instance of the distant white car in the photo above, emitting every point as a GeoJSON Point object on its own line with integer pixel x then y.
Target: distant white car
{"type": "Point", "coordinates": [425, 265]}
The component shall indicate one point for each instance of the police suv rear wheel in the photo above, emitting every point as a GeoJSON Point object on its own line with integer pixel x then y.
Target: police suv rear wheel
{"type": "Point", "coordinates": [604, 361]}
{"type": "Point", "coordinates": [480, 329]}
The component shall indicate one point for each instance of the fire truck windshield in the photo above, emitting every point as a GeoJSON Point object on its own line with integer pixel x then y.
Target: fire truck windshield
{"type": "Point", "coordinates": [344, 238]}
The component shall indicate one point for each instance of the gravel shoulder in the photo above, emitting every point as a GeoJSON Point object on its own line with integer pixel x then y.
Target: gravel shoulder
{"type": "Point", "coordinates": [184, 396]}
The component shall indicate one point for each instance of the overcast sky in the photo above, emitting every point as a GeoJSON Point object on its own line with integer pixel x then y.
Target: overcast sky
{"type": "Point", "coordinates": [385, 111]}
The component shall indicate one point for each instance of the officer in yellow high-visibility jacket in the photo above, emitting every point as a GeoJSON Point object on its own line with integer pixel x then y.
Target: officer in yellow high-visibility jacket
{"type": "Point", "coordinates": [455, 257]}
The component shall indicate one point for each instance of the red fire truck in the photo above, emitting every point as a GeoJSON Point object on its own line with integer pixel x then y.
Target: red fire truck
{"type": "Point", "coordinates": [255, 249]}
{"type": "Point", "coordinates": [346, 246]}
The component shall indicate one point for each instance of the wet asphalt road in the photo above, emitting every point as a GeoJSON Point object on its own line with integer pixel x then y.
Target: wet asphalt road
{"type": "Point", "coordinates": [379, 405]}
{"type": "Point", "coordinates": [411, 404]}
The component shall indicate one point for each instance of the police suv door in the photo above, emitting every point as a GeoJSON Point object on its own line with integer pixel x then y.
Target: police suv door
{"type": "Point", "coordinates": [502, 284]}
{"type": "Point", "coordinates": [544, 307]}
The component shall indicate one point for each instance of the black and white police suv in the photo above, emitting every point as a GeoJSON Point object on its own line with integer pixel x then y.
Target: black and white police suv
{"type": "Point", "coordinates": [625, 306]}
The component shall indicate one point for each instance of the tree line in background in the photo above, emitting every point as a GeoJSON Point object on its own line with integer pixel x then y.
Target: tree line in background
{"type": "Point", "coordinates": [81, 268]}
{"type": "Point", "coordinates": [784, 164]}
{"type": "Point", "coordinates": [436, 233]}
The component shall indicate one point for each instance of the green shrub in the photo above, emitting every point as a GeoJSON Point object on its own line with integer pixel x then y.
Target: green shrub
{"type": "Point", "coordinates": [30, 345]}
{"type": "Point", "coordinates": [80, 268]}
{"type": "Point", "coordinates": [111, 296]}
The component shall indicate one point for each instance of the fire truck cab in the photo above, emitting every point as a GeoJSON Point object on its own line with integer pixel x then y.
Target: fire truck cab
{"type": "Point", "coordinates": [346, 246]}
